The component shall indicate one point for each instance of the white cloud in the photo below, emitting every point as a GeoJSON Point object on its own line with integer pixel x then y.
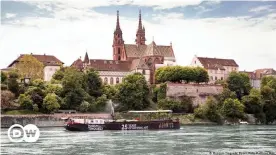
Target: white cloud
{"type": "Point", "coordinates": [166, 4]}
{"type": "Point", "coordinates": [81, 4]}
{"type": "Point", "coordinates": [10, 15]}
{"type": "Point", "coordinates": [249, 41]}
{"type": "Point", "coordinates": [262, 8]}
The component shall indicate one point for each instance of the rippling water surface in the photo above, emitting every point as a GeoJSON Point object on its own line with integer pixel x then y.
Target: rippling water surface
{"type": "Point", "coordinates": [190, 140]}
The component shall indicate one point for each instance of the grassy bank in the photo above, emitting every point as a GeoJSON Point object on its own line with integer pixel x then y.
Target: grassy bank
{"type": "Point", "coordinates": [20, 112]}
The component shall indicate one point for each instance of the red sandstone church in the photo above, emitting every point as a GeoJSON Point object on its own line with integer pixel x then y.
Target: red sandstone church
{"type": "Point", "coordinates": [130, 58]}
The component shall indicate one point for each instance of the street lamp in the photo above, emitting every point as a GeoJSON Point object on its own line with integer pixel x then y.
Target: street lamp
{"type": "Point", "coordinates": [25, 80]}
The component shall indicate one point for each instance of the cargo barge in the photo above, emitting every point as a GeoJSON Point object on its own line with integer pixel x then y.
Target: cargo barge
{"type": "Point", "coordinates": [135, 124]}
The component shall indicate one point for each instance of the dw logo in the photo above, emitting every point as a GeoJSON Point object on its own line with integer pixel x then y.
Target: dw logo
{"type": "Point", "coordinates": [28, 133]}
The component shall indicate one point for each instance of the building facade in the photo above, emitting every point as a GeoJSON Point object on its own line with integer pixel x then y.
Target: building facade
{"type": "Point", "coordinates": [50, 62]}
{"type": "Point", "coordinates": [257, 75]}
{"type": "Point", "coordinates": [218, 69]}
{"type": "Point", "coordinates": [130, 58]}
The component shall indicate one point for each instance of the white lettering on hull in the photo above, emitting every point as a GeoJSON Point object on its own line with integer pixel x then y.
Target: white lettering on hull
{"type": "Point", "coordinates": [133, 127]}
{"type": "Point", "coordinates": [95, 127]}
{"type": "Point", "coordinates": [166, 126]}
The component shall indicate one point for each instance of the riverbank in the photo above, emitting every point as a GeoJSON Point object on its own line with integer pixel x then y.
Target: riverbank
{"type": "Point", "coordinates": [55, 120]}
{"type": "Point", "coordinates": [45, 120]}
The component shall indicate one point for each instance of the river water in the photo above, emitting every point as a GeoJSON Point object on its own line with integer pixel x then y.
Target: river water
{"type": "Point", "coordinates": [190, 140]}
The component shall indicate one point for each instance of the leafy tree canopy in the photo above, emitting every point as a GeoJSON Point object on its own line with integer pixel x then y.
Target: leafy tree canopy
{"type": "Point", "coordinates": [133, 93]}
{"type": "Point", "coordinates": [29, 66]}
{"type": "Point", "coordinates": [239, 83]}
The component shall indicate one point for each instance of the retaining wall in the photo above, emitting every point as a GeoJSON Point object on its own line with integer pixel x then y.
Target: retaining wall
{"type": "Point", "coordinates": [54, 120]}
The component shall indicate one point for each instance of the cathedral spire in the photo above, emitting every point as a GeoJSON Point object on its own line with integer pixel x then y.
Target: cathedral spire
{"type": "Point", "coordinates": [118, 22]}
{"type": "Point", "coordinates": [140, 22]}
{"type": "Point", "coordinates": [86, 58]}
{"type": "Point", "coordinates": [118, 42]}
{"type": "Point", "coordinates": [140, 34]}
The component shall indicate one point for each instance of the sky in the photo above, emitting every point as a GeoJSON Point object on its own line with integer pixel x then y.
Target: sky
{"type": "Point", "coordinates": [240, 30]}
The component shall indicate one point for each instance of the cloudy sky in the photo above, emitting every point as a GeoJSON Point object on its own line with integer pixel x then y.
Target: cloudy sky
{"type": "Point", "coordinates": [240, 30]}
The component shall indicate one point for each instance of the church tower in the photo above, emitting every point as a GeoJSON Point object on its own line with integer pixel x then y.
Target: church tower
{"type": "Point", "coordinates": [140, 34]}
{"type": "Point", "coordinates": [118, 42]}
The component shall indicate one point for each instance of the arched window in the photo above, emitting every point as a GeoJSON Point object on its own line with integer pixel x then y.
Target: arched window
{"type": "Point", "coordinates": [105, 80]}
{"type": "Point", "coordinates": [117, 80]}
{"type": "Point", "coordinates": [111, 80]}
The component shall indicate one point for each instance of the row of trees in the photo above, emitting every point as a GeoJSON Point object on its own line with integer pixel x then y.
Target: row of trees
{"type": "Point", "coordinates": [72, 89]}
{"type": "Point", "coordinates": [238, 99]}
{"type": "Point", "coordinates": [180, 73]}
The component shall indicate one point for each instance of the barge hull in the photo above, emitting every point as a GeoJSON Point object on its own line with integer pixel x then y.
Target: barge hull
{"type": "Point", "coordinates": [141, 125]}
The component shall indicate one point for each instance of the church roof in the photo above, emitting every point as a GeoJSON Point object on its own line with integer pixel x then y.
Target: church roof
{"type": "Point", "coordinates": [133, 50]}
{"type": "Point", "coordinates": [138, 64]}
{"type": "Point", "coordinates": [109, 65]}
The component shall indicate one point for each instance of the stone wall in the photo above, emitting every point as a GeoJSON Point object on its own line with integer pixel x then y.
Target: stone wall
{"type": "Point", "coordinates": [54, 120]}
{"type": "Point", "coordinates": [199, 92]}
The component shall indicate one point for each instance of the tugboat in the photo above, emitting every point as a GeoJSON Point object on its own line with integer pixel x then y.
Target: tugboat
{"type": "Point", "coordinates": [135, 124]}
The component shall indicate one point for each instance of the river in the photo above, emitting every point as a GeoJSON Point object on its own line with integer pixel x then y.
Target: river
{"type": "Point", "coordinates": [190, 140]}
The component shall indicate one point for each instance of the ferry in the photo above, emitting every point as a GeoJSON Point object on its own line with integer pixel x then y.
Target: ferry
{"type": "Point", "coordinates": [123, 124]}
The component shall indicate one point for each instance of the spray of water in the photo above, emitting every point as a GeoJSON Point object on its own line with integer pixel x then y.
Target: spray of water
{"type": "Point", "coordinates": [110, 108]}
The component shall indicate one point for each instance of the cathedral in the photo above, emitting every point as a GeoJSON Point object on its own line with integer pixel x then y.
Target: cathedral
{"type": "Point", "coordinates": [130, 58]}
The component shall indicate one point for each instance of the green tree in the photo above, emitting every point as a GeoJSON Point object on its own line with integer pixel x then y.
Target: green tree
{"type": "Point", "coordinates": [93, 83]}
{"type": "Point", "coordinates": [73, 93]}
{"type": "Point", "coordinates": [50, 103]}
{"type": "Point", "coordinates": [25, 101]}
{"type": "Point", "coordinates": [268, 92]}
{"type": "Point", "coordinates": [225, 94]}
{"type": "Point", "coordinates": [180, 74]}
{"type": "Point", "coordinates": [36, 94]}
{"type": "Point", "coordinates": [38, 83]}
{"type": "Point", "coordinates": [3, 77]}
{"type": "Point", "coordinates": [54, 88]}
{"type": "Point", "coordinates": [268, 81]}
{"type": "Point", "coordinates": [232, 108]}
{"type": "Point", "coordinates": [110, 91]}
{"type": "Point", "coordinates": [59, 74]}
{"type": "Point", "coordinates": [253, 102]}
{"type": "Point", "coordinates": [29, 66]}
{"type": "Point", "coordinates": [201, 75]}
{"type": "Point", "coordinates": [239, 83]}
{"type": "Point", "coordinates": [101, 103]}
{"type": "Point", "coordinates": [133, 93]}
{"type": "Point", "coordinates": [209, 110]}
{"type": "Point", "coordinates": [12, 84]}
{"type": "Point", "coordinates": [6, 99]}
{"type": "Point", "coordinates": [84, 107]}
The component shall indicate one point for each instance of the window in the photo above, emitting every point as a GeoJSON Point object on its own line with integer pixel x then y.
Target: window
{"type": "Point", "coordinates": [105, 80]}
{"type": "Point", "coordinates": [119, 57]}
{"type": "Point", "coordinates": [221, 78]}
{"type": "Point", "coordinates": [195, 62]}
{"type": "Point", "coordinates": [144, 72]}
{"type": "Point", "coordinates": [117, 80]}
{"type": "Point", "coordinates": [216, 78]}
{"type": "Point", "coordinates": [119, 51]}
{"type": "Point", "coordinates": [211, 77]}
{"type": "Point", "coordinates": [111, 80]}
